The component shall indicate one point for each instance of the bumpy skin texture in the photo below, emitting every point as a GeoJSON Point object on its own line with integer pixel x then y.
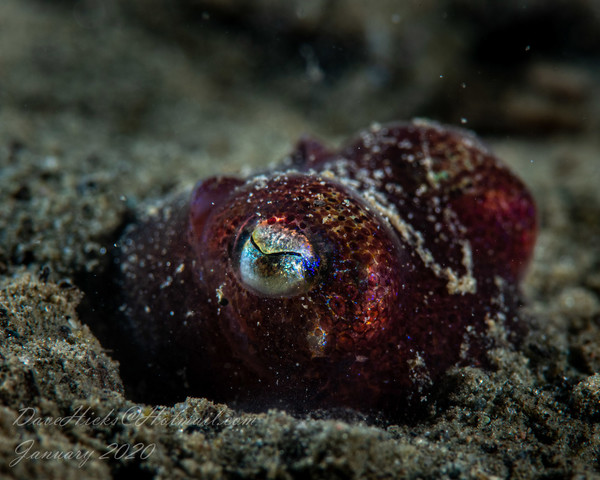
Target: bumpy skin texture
{"type": "Point", "coordinates": [418, 234]}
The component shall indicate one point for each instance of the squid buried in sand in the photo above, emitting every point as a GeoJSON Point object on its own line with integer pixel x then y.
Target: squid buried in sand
{"type": "Point", "coordinates": [344, 278]}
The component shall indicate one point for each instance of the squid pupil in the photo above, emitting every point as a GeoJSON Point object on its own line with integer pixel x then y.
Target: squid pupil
{"type": "Point", "coordinates": [274, 254]}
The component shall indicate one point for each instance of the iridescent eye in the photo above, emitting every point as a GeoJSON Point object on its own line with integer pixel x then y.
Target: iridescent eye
{"type": "Point", "coordinates": [276, 260]}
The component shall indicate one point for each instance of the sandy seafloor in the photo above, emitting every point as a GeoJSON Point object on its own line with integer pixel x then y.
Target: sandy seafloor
{"type": "Point", "coordinates": [105, 105]}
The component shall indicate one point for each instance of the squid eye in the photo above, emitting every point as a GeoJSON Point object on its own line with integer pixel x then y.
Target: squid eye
{"type": "Point", "coordinates": [277, 261]}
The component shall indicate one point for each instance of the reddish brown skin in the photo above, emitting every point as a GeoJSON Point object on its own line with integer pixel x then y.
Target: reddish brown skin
{"type": "Point", "coordinates": [393, 215]}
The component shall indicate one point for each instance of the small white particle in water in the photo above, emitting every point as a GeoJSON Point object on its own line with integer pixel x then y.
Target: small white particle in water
{"type": "Point", "coordinates": [463, 120]}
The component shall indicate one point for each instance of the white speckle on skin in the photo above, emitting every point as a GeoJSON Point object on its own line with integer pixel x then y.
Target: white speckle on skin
{"type": "Point", "coordinates": [457, 284]}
